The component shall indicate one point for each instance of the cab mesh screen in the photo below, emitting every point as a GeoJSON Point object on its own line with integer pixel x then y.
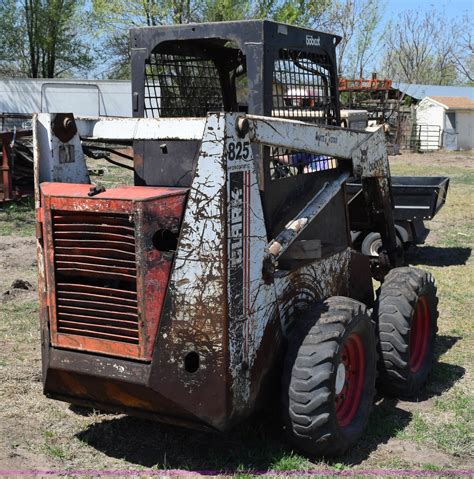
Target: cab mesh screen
{"type": "Point", "coordinates": [302, 90]}
{"type": "Point", "coordinates": [302, 87]}
{"type": "Point", "coordinates": [181, 86]}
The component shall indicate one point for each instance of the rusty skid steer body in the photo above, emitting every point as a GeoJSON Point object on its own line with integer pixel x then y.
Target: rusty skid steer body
{"type": "Point", "coordinates": [177, 298]}
{"type": "Point", "coordinates": [179, 291]}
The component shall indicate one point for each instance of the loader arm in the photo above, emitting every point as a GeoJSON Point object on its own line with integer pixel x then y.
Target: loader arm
{"type": "Point", "coordinates": [365, 151]}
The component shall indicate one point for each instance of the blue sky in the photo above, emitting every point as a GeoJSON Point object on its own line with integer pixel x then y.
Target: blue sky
{"type": "Point", "coordinates": [454, 8]}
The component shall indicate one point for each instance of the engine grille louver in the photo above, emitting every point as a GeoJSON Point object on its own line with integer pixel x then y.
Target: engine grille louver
{"type": "Point", "coordinates": [106, 275]}
{"type": "Point", "coordinates": [96, 276]}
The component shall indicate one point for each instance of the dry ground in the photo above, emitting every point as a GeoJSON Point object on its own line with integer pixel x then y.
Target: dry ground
{"type": "Point", "coordinates": [432, 432]}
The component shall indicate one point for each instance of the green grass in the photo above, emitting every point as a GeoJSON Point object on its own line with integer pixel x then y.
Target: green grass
{"type": "Point", "coordinates": [19, 320]}
{"type": "Point", "coordinates": [450, 428]}
{"type": "Point", "coordinates": [449, 424]}
{"type": "Point", "coordinates": [17, 218]}
{"type": "Point", "coordinates": [290, 462]}
{"type": "Point", "coordinates": [442, 420]}
{"type": "Point", "coordinates": [52, 448]}
{"type": "Point", "coordinates": [456, 433]}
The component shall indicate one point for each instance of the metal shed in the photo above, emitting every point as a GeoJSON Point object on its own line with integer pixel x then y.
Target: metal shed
{"type": "Point", "coordinates": [445, 122]}
{"type": "Point", "coordinates": [418, 91]}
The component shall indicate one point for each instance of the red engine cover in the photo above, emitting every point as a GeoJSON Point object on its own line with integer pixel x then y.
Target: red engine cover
{"type": "Point", "coordinates": [108, 259]}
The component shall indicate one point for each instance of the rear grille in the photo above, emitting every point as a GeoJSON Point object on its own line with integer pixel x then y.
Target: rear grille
{"type": "Point", "coordinates": [96, 276]}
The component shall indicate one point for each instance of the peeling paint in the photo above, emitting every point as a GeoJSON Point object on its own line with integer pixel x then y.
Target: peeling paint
{"type": "Point", "coordinates": [219, 309]}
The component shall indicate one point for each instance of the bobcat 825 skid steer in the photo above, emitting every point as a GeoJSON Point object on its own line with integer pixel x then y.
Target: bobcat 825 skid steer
{"type": "Point", "coordinates": [176, 298]}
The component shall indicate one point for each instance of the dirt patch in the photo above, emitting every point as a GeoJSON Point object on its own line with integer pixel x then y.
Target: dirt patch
{"type": "Point", "coordinates": [418, 454]}
{"type": "Point", "coordinates": [15, 456]}
{"type": "Point", "coordinates": [19, 288]}
{"type": "Point", "coordinates": [17, 261]}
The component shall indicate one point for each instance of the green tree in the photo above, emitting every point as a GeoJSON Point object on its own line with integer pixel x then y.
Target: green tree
{"type": "Point", "coordinates": [421, 48]}
{"type": "Point", "coordinates": [43, 38]}
{"type": "Point", "coordinates": [114, 18]}
{"type": "Point", "coordinates": [224, 10]}
{"type": "Point", "coordinates": [366, 45]}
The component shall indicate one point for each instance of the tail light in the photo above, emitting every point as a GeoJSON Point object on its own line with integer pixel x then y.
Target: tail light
{"type": "Point", "coordinates": [108, 260]}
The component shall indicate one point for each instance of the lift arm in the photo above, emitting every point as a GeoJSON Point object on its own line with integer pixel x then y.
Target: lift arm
{"type": "Point", "coordinates": [368, 156]}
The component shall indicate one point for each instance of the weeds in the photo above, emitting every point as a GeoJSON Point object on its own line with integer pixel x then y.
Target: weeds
{"type": "Point", "coordinates": [17, 218]}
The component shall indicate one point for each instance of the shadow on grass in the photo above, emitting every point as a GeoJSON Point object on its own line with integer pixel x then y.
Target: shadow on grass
{"type": "Point", "coordinates": [443, 375]}
{"type": "Point", "coordinates": [385, 422]}
{"type": "Point", "coordinates": [257, 445]}
{"type": "Point", "coordinates": [438, 256]}
{"type": "Point", "coordinates": [444, 343]}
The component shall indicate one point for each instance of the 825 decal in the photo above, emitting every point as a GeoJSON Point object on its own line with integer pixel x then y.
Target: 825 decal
{"type": "Point", "coordinates": [238, 150]}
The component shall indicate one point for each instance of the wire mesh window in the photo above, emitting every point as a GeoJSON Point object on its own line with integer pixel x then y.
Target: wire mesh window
{"type": "Point", "coordinates": [181, 86]}
{"type": "Point", "coordinates": [302, 87]}
{"type": "Point", "coordinates": [302, 90]}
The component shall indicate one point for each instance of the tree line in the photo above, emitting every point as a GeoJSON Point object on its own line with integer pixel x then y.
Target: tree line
{"type": "Point", "coordinates": [72, 38]}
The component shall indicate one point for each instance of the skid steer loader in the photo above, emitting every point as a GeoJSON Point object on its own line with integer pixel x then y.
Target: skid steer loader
{"type": "Point", "coordinates": [176, 298]}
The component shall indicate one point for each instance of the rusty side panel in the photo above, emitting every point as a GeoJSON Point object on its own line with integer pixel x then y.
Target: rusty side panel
{"type": "Point", "coordinates": [112, 384]}
{"type": "Point", "coordinates": [115, 395]}
{"type": "Point", "coordinates": [106, 277]}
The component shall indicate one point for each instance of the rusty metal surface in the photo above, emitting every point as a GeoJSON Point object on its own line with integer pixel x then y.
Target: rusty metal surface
{"type": "Point", "coordinates": [195, 314]}
{"type": "Point", "coordinates": [364, 84]}
{"type": "Point", "coordinates": [64, 127]}
{"type": "Point", "coordinates": [8, 189]}
{"type": "Point", "coordinates": [106, 278]}
{"type": "Point", "coordinates": [299, 289]}
{"type": "Point", "coordinates": [209, 322]}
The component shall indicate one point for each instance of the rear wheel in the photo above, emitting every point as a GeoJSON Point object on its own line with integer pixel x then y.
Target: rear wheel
{"type": "Point", "coordinates": [329, 377]}
{"type": "Point", "coordinates": [406, 314]}
{"type": "Point", "coordinates": [372, 244]}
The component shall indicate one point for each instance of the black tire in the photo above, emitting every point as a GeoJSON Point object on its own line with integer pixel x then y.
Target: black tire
{"type": "Point", "coordinates": [406, 314]}
{"type": "Point", "coordinates": [319, 341]}
{"type": "Point", "coordinates": [372, 243]}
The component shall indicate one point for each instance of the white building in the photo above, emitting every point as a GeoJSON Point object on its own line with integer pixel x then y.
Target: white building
{"type": "Point", "coordinates": [445, 122]}
{"type": "Point", "coordinates": [81, 97]}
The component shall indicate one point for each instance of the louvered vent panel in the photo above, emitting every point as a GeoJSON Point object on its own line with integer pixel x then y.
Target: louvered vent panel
{"type": "Point", "coordinates": [95, 269]}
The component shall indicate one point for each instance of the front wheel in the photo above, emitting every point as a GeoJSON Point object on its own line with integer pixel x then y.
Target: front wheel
{"type": "Point", "coordinates": [329, 377]}
{"type": "Point", "coordinates": [406, 316]}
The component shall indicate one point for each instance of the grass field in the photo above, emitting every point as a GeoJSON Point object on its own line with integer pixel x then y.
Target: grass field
{"type": "Point", "coordinates": [432, 432]}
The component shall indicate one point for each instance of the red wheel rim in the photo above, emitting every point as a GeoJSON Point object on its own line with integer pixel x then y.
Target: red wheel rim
{"type": "Point", "coordinates": [420, 334]}
{"type": "Point", "coordinates": [348, 399]}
